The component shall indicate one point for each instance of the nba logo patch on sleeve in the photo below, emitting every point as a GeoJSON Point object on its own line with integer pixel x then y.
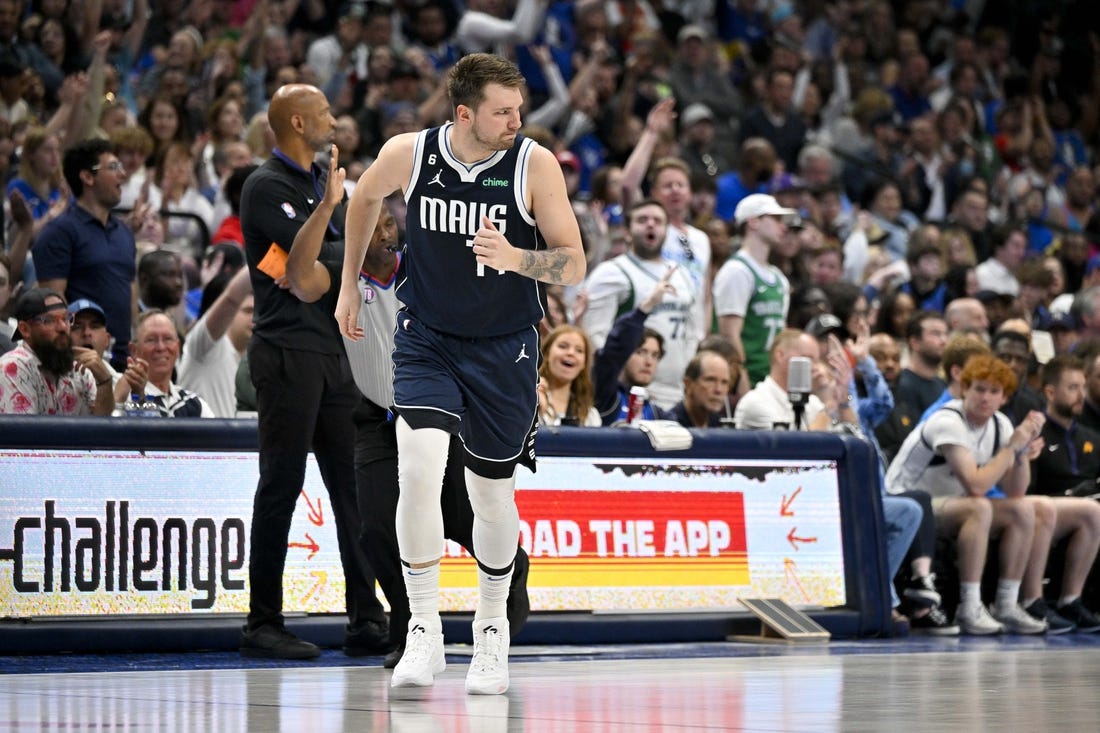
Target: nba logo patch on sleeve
{"type": "Point", "coordinates": [288, 210]}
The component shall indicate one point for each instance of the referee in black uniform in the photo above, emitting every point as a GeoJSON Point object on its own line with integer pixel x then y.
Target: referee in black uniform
{"type": "Point", "coordinates": [304, 389]}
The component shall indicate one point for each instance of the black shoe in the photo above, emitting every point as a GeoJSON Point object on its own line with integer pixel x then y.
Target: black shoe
{"type": "Point", "coordinates": [1057, 623]}
{"type": "Point", "coordinates": [1087, 621]}
{"type": "Point", "coordinates": [393, 658]}
{"type": "Point", "coordinates": [275, 642]}
{"type": "Point", "coordinates": [933, 623]}
{"type": "Point", "coordinates": [921, 591]}
{"type": "Point", "coordinates": [899, 624]}
{"type": "Point", "coordinates": [519, 604]}
{"type": "Point", "coordinates": [372, 637]}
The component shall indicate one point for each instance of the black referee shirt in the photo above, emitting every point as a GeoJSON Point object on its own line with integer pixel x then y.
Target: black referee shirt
{"type": "Point", "coordinates": [275, 202]}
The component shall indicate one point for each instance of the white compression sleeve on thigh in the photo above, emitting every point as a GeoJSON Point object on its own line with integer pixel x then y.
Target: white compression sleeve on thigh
{"type": "Point", "coordinates": [421, 461]}
{"type": "Point", "coordinates": [496, 519]}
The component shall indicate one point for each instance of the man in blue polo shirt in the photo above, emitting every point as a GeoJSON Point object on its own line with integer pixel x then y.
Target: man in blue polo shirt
{"type": "Point", "coordinates": [87, 252]}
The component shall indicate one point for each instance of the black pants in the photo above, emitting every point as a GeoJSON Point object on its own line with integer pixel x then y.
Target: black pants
{"type": "Point", "coordinates": [304, 400]}
{"type": "Point", "coordinates": [376, 483]}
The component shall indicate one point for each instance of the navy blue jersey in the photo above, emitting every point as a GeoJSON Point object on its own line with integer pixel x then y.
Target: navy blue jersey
{"type": "Point", "coordinates": [442, 283]}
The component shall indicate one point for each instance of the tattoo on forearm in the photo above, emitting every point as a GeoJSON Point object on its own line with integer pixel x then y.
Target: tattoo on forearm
{"type": "Point", "coordinates": [549, 266]}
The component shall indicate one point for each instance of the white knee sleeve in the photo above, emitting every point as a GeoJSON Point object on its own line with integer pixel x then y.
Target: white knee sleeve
{"type": "Point", "coordinates": [421, 461]}
{"type": "Point", "coordinates": [496, 519]}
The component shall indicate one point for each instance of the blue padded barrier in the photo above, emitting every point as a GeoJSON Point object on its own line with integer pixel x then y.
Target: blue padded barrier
{"type": "Point", "coordinates": [865, 613]}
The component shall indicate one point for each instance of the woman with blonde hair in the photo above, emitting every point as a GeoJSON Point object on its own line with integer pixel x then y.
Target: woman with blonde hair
{"type": "Point", "coordinates": [958, 248]}
{"type": "Point", "coordinates": [40, 181]}
{"type": "Point", "coordinates": [260, 137]}
{"type": "Point", "coordinates": [566, 393]}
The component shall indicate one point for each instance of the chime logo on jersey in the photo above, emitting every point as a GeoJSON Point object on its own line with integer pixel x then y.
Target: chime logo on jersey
{"type": "Point", "coordinates": [288, 210]}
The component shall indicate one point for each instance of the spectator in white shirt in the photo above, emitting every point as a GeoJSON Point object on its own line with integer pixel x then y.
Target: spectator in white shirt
{"type": "Point", "coordinates": [217, 342]}
{"type": "Point", "coordinates": [998, 273]}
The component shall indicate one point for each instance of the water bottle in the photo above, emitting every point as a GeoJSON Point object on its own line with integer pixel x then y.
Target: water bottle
{"type": "Point", "coordinates": [636, 403]}
{"type": "Point", "coordinates": [140, 405]}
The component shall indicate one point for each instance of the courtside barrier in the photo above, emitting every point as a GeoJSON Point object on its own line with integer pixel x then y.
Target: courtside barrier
{"type": "Point", "coordinates": [124, 533]}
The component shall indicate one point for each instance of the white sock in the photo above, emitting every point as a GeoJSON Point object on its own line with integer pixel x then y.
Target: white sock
{"type": "Point", "coordinates": [970, 596]}
{"type": "Point", "coordinates": [1066, 600]}
{"type": "Point", "coordinates": [422, 585]}
{"type": "Point", "coordinates": [492, 599]}
{"type": "Point", "coordinates": [496, 535]}
{"type": "Point", "coordinates": [1008, 594]}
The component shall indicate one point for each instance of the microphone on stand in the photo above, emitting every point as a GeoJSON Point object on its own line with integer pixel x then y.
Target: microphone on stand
{"type": "Point", "coordinates": [799, 386]}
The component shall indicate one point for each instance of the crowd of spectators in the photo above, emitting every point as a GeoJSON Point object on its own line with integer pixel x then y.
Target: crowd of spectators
{"type": "Point", "coordinates": [889, 173]}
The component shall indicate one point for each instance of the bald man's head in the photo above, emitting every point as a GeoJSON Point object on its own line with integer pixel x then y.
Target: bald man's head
{"type": "Point", "coordinates": [886, 352]}
{"type": "Point", "coordinates": [301, 112]}
{"type": "Point", "coordinates": [967, 315]}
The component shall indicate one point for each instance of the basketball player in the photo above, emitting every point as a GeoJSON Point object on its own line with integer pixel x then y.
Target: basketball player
{"type": "Point", "coordinates": [375, 441]}
{"type": "Point", "coordinates": [488, 219]}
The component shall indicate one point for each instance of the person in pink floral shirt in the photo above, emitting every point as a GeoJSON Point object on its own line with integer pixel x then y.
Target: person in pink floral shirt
{"type": "Point", "coordinates": [45, 374]}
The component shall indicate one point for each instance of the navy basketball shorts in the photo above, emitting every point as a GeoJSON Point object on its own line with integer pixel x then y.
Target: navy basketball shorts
{"type": "Point", "coordinates": [481, 389]}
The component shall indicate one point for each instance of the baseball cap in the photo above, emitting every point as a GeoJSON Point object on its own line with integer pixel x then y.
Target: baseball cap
{"type": "Point", "coordinates": [33, 303]}
{"type": "Point", "coordinates": [84, 304]}
{"type": "Point", "coordinates": [1063, 321]}
{"type": "Point", "coordinates": [1000, 287]}
{"type": "Point", "coordinates": [824, 324]}
{"type": "Point", "coordinates": [987, 295]}
{"type": "Point", "coordinates": [357, 10]}
{"type": "Point", "coordinates": [696, 112]}
{"type": "Point", "coordinates": [692, 31]}
{"type": "Point", "coordinates": [567, 158]}
{"type": "Point", "coordinates": [756, 205]}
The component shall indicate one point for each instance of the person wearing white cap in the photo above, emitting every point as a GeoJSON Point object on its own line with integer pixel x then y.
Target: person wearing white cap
{"type": "Point", "coordinates": [751, 297]}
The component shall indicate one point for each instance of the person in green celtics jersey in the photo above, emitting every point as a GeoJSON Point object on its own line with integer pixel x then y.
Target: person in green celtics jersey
{"type": "Point", "coordinates": [751, 297]}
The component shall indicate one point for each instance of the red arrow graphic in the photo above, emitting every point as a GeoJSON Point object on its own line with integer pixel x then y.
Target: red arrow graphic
{"type": "Point", "coordinates": [312, 546]}
{"type": "Point", "coordinates": [322, 579]}
{"type": "Point", "coordinates": [785, 505]}
{"type": "Point", "coordinates": [793, 538]}
{"type": "Point", "coordinates": [316, 513]}
{"type": "Point", "coordinates": [791, 571]}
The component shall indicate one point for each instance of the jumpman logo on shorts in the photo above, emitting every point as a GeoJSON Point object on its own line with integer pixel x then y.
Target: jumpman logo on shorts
{"type": "Point", "coordinates": [437, 181]}
{"type": "Point", "coordinates": [522, 353]}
